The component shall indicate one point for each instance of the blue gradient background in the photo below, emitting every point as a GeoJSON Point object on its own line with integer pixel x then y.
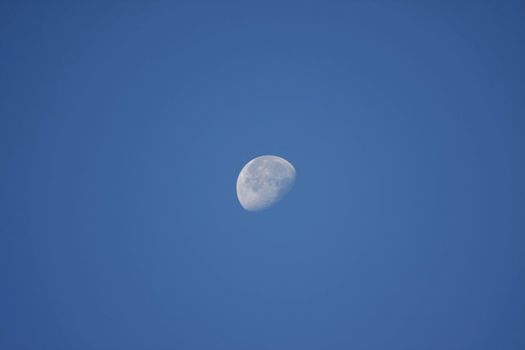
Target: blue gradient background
{"type": "Point", "coordinates": [123, 127]}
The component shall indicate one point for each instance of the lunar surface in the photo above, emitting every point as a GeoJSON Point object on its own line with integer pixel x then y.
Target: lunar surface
{"type": "Point", "coordinates": [264, 181]}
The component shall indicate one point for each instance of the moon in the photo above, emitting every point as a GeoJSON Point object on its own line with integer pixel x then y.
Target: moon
{"type": "Point", "coordinates": [263, 181]}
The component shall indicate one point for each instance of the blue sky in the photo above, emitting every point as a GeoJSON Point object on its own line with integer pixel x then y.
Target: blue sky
{"type": "Point", "coordinates": [123, 127]}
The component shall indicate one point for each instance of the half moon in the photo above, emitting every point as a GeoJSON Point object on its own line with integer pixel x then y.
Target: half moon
{"type": "Point", "coordinates": [263, 181]}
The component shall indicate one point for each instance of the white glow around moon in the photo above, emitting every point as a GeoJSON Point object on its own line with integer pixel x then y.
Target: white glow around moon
{"type": "Point", "coordinates": [263, 181]}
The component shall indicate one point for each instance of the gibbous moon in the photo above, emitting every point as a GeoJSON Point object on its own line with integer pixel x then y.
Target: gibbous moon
{"type": "Point", "coordinates": [263, 181]}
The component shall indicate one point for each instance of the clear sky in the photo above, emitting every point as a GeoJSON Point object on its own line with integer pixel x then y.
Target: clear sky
{"type": "Point", "coordinates": [124, 125]}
